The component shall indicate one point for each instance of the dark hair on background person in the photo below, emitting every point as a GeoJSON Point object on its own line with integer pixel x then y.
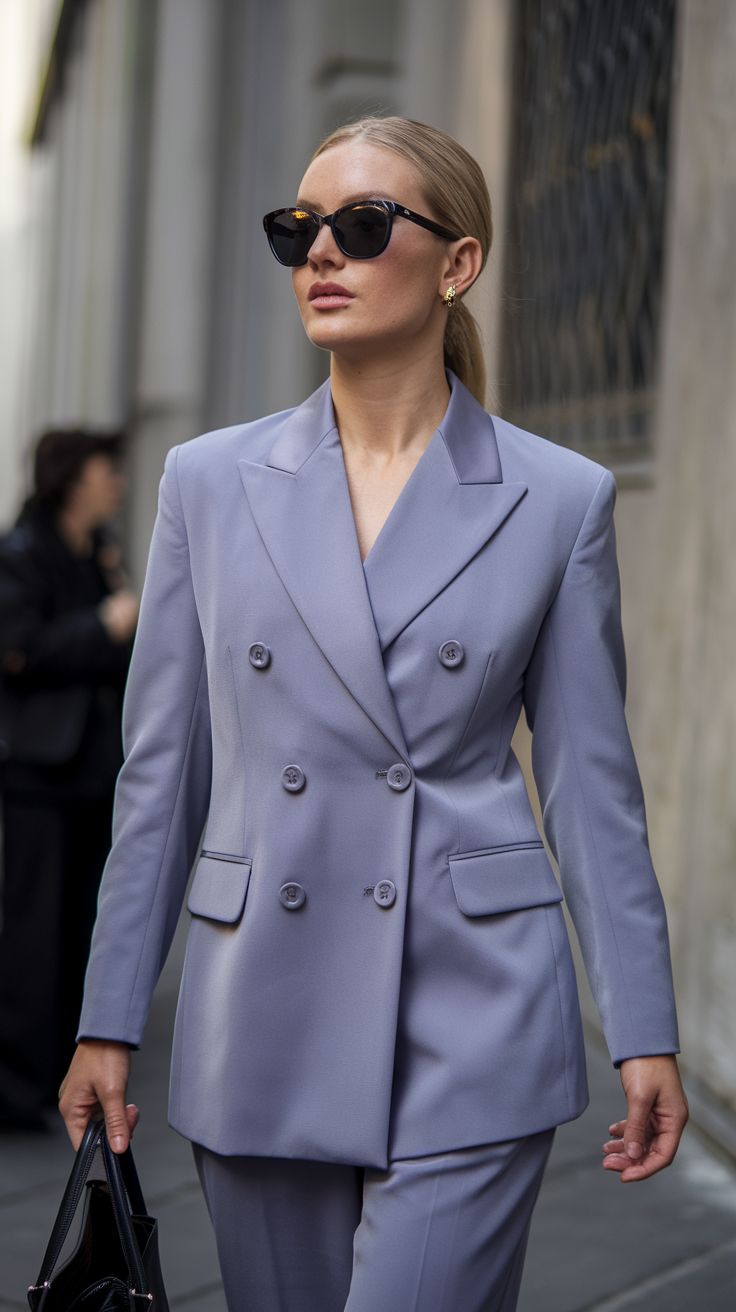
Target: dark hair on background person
{"type": "Point", "coordinates": [59, 458]}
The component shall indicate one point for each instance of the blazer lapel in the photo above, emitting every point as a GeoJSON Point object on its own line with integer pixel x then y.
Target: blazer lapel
{"type": "Point", "coordinates": [301, 505]}
{"type": "Point", "coordinates": [453, 503]}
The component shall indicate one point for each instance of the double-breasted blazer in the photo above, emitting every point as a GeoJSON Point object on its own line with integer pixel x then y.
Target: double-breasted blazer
{"type": "Point", "coordinates": [377, 963]}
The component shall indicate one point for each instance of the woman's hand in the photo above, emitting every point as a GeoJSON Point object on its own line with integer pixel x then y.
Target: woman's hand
{"type": "Point", "coordinates": [648, 1139]}
{"type": "Point", "coordinates": [95, 1085]}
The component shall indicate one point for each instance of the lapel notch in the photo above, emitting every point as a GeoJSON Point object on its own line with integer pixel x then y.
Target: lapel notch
{"type": "Point", "coordinates": [303, 431]}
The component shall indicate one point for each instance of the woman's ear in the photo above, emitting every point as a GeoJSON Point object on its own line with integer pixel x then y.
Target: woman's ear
{"type": "Point", "coordinates": [463, 265]}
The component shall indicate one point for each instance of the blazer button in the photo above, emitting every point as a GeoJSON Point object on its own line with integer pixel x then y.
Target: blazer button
{"type": "Point", "coordinates": [259, 655]}
{"type": "Point", "coordinates": [451, 654]}
{"type": "Point", "coordinates": [292, 896]}
{"type": "Point", "coordinates": [399, 777]}
{"type": "Point", "coordinates": [293, 779]}
{"type": "Point", "coordinates": [385, 893]}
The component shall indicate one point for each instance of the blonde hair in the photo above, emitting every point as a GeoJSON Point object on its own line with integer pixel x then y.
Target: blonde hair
{"type": "Point", "coordinates": [457, 196]}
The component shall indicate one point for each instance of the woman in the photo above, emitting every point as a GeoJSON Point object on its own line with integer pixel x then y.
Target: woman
{"type": "Point", "coordinates": [346, 607]}
{"type": "Point", "coordinates": [66, 627]}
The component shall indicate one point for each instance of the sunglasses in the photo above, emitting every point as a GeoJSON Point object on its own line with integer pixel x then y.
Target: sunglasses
{"type": "Point", "coordinates": [361, 230]}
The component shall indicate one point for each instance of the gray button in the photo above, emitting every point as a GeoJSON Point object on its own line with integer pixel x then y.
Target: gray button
{"type": "Point", "coordinates": [451, 654]}
{"type": "Point", "coordinates": [399, 777]}
{"type": "Point", "coordinates": [385, 893]}
{"type": "Point", "coordinates": [293, 778]}
{"type": "Point", "coordinates": [292, 896]}
{"type": "Point", "coordinates": [259, 655]}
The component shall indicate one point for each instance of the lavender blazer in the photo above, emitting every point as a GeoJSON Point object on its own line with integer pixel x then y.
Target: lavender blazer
{"type": "Point", "coordinates": [377, 963]}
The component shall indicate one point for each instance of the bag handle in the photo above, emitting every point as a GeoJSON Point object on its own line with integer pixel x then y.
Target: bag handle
{"type": "Point", "coordinates": [122, 1180]}
{"type": "Point", "coordinates": [132, 1183]}
{"type": "Point", "coordinates": [121, 1211]}
{"type": "Point", "coordinates": [70, 1201]}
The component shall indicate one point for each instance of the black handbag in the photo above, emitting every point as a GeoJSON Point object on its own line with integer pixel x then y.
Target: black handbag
{"type": "Point", "coordinates": [115, 1265]}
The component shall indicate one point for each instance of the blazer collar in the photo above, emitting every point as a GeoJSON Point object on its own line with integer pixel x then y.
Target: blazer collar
{"type": "Point", "coordinates": [303, 431]}
{"type": "Point", "coordinates": [468, 433]}
{"type": "Point", "coordinates": [454, 502]}
{"type": "Point", "coordinates": [466, 430]}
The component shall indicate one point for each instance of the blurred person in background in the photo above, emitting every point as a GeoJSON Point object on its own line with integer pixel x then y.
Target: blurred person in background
{"type": "Point", "coordinates": [67, 621]}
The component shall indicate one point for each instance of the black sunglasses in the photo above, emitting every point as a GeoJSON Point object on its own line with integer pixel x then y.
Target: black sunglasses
{"type": "Point", "coordinates": [361, 230]}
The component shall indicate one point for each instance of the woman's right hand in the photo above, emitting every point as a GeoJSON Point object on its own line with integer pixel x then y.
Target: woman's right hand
{"type": "Point", "coordinates": [95, 1085]}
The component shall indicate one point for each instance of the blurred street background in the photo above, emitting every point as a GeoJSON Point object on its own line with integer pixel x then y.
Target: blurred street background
{"type": "Point", "coordinates": [140, 143]}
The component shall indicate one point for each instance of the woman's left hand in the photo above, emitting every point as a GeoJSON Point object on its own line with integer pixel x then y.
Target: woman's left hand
{"type": "Point", "coordinates": [648, 1139]}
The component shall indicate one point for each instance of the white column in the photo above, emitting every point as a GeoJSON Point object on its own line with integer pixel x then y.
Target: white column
{"type": "Point", "coordinates": [83, 170]}
{"type": "Point", "coordinates": [23, 28]}
{"type": "Point", "coordinates": [176, 264]}
{"type": "Point", "coordinates": [482, 123]}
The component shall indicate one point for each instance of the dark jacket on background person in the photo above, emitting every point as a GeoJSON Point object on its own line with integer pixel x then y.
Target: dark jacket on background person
{"type": "Point", "coordinates": [60, 752]}
{"type": "Point", "coordinates": [62, 676]}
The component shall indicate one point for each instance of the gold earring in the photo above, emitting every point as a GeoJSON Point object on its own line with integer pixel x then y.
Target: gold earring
{"type": "Point", "coordinates": [449, 296]}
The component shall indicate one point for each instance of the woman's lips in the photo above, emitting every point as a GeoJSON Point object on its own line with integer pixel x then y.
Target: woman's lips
{"type": "Point", "coordinates": [329, 295]}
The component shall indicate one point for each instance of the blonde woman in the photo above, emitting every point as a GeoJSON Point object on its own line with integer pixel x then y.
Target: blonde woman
{"type": "Point", "coordinates": [347, 606]}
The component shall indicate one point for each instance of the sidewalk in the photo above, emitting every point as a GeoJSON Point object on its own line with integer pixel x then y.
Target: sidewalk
{"type": "Point", "coordinates": [596, 1245]}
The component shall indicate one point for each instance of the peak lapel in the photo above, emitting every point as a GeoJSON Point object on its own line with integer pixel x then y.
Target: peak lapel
{"type": "Point", "coordinates": [453, 503]}
{"type": "Point", "coordinates": [301, 504]}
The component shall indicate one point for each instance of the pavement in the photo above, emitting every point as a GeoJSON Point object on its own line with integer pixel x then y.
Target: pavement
{"type": "Point", "coordinates": [668, 1245]}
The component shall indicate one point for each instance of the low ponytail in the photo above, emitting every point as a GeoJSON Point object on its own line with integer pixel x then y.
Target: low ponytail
{"type": "Point", "coordinates": [463, 350]}
{"type": "Point", "coordinates": [457, 196]}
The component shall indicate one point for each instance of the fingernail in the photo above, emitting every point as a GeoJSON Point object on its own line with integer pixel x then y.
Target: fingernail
{"type": "Point", "coordinates": [634, 1149]}
{"type": "Point", "coordinates": [118, 1143]}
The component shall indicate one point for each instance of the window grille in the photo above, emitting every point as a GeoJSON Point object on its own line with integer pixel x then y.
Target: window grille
{"type": "Point", "coordinates": [587, 221]}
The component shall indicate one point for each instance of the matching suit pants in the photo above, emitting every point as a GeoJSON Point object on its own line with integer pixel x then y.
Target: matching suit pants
{"type": "Point", "coordinates": [445, 1233]}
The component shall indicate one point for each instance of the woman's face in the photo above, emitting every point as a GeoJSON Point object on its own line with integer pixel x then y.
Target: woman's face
{"type": "Point", "coordinates": [361, 308]}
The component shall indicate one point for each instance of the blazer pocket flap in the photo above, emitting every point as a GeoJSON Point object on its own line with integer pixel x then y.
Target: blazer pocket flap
{"type": "Point", "coordinates": [219, 888]}
{"type": "Point", "coordinates": [490, 883]}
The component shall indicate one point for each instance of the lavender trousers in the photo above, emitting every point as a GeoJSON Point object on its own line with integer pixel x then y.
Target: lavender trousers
{"type": "Point", "coordinates": [441, 1233]}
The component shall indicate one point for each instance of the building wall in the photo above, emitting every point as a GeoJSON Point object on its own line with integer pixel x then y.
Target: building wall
{"type": "Point", "coordinates": [677, 555]}
{"type": "Point", "coordinates": [679, 558]}
{"type": "Point", "coordinates": [82, 182]}
{"type": "Point", "coordinates": [23, 39]}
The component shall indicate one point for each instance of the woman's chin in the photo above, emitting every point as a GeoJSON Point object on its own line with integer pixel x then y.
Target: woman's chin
{"type": "Point", "coordinates": [340, 338]}
{"type": "Point", "coordinates": [353, 341]}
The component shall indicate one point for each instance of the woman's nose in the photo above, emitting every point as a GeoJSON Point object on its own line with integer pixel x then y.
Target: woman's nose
{"type": "Point", "coordinates": [325, 249]}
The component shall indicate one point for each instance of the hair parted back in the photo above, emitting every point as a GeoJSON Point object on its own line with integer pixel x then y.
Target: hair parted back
{"type": "Point", "coordinates": [458, 198]}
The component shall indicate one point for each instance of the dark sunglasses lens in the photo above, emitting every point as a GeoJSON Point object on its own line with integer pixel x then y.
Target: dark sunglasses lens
{"type": "Point", "coordinates": [291, 234]}
{"type": "Point", "coordinates": [362, 230]}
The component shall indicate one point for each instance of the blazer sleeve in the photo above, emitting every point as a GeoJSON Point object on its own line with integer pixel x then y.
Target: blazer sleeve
{"type": "Point", "coordinates": [591, 795]}
{"type": "Point", "coordinates": [163, 789]}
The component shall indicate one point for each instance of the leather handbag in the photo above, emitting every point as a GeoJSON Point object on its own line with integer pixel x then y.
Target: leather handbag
{"type": "Point", "coordinates": [115, 1264]}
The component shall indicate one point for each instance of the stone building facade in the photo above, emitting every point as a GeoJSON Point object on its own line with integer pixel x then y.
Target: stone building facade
{"type": "Point", "coordinates": [166, 128]}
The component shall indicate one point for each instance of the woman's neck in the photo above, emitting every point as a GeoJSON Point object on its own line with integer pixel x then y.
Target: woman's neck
{"type": "Point", "coordinates": [386, 414]}
{"type": "Point", "coordinates": [384, 407]}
